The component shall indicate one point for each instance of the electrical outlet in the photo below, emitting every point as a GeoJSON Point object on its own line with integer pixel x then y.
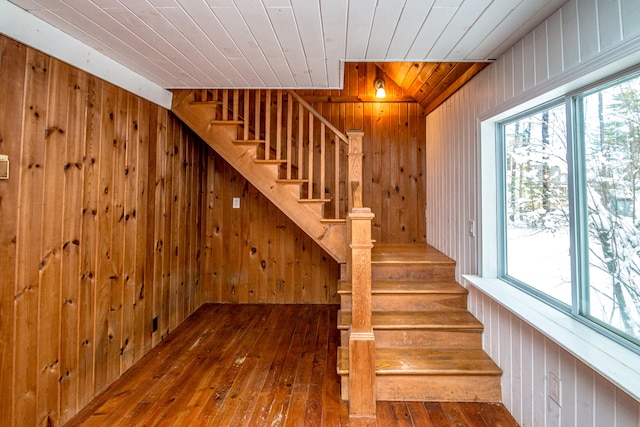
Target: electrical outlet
{"type": "Point", "coordinates": [236, 203]}
{"type": "Point", "coordinates": [554, 388]}
{"type": "Point", "coordinates": [472, 228]}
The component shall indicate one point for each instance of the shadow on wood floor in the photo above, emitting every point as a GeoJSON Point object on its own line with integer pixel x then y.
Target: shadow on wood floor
{"type": "Point", "coordinates": [256, 365]}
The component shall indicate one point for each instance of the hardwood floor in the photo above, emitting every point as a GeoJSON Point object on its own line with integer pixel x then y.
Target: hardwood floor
{"type": "Point", "coordinates": [256, 365]}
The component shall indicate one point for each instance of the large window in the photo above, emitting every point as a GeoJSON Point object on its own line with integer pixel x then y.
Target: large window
{"type": "Point", "coordinates": [570, 219]}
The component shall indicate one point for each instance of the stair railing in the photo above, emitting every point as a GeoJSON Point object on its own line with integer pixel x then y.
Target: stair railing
{"type": "Point", "coordinates": [312, 152]}
{"type": "Point", "coordinates": [362, 375]}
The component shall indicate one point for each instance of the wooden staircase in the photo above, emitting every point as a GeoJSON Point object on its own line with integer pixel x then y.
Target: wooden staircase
{"type": "Point", "coordinates": [428, 347]}
{"type": "Point", "coordinates": [406, 334]}
{"type": "Point", "coordinates": [283, 147]}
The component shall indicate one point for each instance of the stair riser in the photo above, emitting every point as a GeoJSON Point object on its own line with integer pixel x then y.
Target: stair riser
{"type": "Point", "coordinates": [411, 302]}
{"type": "Point", "coordinates": [433, 388]}
{"type": "Point", "coordinates": [422, 339]}
{"type": "Point", "coordinates": [431, 272]}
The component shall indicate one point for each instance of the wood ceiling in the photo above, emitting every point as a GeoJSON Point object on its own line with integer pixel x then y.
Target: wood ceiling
{"type": "Point", "coordinates": [298, 44]}
{"type": "Point", "coordinates": [430, 83]}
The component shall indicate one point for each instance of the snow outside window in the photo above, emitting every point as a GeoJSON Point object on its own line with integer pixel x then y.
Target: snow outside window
{"type": "Point", "coordinates": [597, 277]}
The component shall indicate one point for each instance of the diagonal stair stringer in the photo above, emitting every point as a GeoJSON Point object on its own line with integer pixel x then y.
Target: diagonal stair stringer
{"type": "Point", "coordinates": [220, 136]}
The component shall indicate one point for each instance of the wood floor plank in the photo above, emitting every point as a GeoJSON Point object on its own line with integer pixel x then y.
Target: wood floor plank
{"type": "Point", "coordinates": [313, 413]}
{"type": "Point", "coordinates": [286, 376]}
{"type": "Point", "coordinates": [419, 415]}
{"type": "Point", "coordinates": [301, 385]}
{"type": "Point", "coordinates": [277, 371]}
{"type": "Point", "coordinates": [253, 372]}
{"type": "Point", "coordinates": [436, 414]}
{"type": "Point", "coordinates": [471, 412]}
{"type": "Point", "coordinates": [400, 413]}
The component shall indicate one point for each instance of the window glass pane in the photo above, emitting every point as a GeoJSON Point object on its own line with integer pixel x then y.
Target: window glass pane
{"type": "Point", "coordinates": [612, 159]}
{"type": "Point", "coordinates": [537, 211]}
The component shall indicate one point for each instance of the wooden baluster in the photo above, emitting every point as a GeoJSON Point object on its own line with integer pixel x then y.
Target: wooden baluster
{"type": "Point", "coordinates": [216, 107]}
{"type": "Point", "coordinates": [257, 114]}
{"type": "Point", "coordinates": [323, 161]}
{"type": "Point", "coordinates": [279, 126]}
{"type": "Point", "coordinates": [289, 134]}
{"type": "Point", "coordinates": [225, 104]}
{"type": "Point", "coordinates": [310, 154]}
{"type": "Point", "coordinates": [336, 179]}
{"type": "Point", "coordinates": [300, 141]}
{"type": "Point", "coordinates": [267, 126]}
{"type": "Point", "coordinates": [236, 105]}
{"type": "Point", "coordinates": [355, 161]}
{"type": "Point", "coordinates": [247, 123]}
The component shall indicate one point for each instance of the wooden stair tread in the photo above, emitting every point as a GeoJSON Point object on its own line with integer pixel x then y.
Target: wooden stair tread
{"type": "Point", "coordinates": [314, 200]}
{"type": "Point", "coordinates": [226, 122]}
{"type": "Point", "coordinates": [407, 287]}
{"type": "Point", "coordinates": [270, 162]}
{"type": "Point", "coordinates": [399, 253]}
{"type": "Point", "coordinates": [426, 362]}
{"type": "Point", "coordinates": [292, 181]}
{"type": "Point", "coordinates": [248, 141]}
{"type": "Point", "coordinates": [333, 221]}
{"type": "Point", "coordinates": [438, 320]}
{"type": "Point", "coordinates": [202, 103]}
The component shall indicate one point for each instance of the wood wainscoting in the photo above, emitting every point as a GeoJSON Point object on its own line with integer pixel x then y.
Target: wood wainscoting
{"type": "Point", "coordinates": [257, 365]}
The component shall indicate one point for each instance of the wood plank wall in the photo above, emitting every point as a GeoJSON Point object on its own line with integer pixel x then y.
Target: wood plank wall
{"type": "Point", "coordinates": [394, 161]}
{"type": "Point", "coordinates": [116, 214]}
{"type": "Point", "coordinates": [553, 54]}
{"type": "Point", "coordinates": [256, 254]}
{"type": "Point", "coordinates": [100, 233]}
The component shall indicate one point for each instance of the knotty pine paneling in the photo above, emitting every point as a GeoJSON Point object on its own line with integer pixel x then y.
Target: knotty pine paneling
{"type": "Point", "coordinates": [100, 233]}
{"type": "Point", "coordinates": [533, 65]}
{"type": "Point", "coordinates": [256, 254]}
{"type": "Point", "coordinates": [394, 160]}
{"type": "Point", "coordinates": [116, 214]}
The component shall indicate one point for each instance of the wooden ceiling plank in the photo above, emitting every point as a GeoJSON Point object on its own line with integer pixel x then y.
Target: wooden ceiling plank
{"type": "Point", "coordinates": [411, 20]}
{"type": "Point", "coordinates": [471, 71]}
{"type": "Point", "coordinates": [430, 32]}
{"type": "Point", "coordinates": [426, 75]}
{"type": "Point", "coordinates": [195, 64]}
{"type": "Point", "coordinates": [109, 41]}
{"type": "Point", "coordinates": [359, 29]}
{"type": "Point", "coordinates": [257, 19]}
{"type": "Point", "coordinates": [440, 73]}
{"type": "Point", "coordinates": [235, 25]}
{"type": "Point", "coordinates": [334, 29]}
{"type": "Point", "coordinates": [385, 22]}
{"type": "Point", "coordinates": [307, 16]}
{"type": "Point", "coordinates": [209, 58]}
{"type": "Point", "coordinates": [460, 23]}
{"type": "Point", "coordinates": [288, 36]}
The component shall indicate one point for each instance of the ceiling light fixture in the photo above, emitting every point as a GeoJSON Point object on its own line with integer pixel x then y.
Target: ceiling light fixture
{"type": "Point", "coordinates": [378, 84]}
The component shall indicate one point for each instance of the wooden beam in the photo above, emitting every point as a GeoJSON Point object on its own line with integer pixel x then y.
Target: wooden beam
{"type": "Point", "coordinates": [313, 99]}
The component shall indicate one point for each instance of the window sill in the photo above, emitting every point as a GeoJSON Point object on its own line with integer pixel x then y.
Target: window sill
{"type": "Point", "coordinates": [612, 360]}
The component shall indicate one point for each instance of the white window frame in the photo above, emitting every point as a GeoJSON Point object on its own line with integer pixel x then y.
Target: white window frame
{"type": "Point", "coordinates": [606, 355]}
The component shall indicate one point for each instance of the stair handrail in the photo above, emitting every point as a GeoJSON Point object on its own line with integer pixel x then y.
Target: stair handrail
{"type": "Point", "coordinates": [319, 116]}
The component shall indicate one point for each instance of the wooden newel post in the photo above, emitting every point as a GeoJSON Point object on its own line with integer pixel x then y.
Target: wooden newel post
{"type": "Point", "coordinates": [362, 375]}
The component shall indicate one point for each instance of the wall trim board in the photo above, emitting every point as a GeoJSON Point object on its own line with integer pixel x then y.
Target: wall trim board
{"type": "Point", "coordinates": [28, 29]}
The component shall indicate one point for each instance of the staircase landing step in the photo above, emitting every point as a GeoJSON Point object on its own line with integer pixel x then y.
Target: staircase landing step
{"type": "Point", "coordinates": [426, 362]}
{"type": "Point", "coordinates": [440, 320]}
{"type": "Point", "coordinates": [407, 287]}
{"type": "Point", "coordinates": [403, 253]}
